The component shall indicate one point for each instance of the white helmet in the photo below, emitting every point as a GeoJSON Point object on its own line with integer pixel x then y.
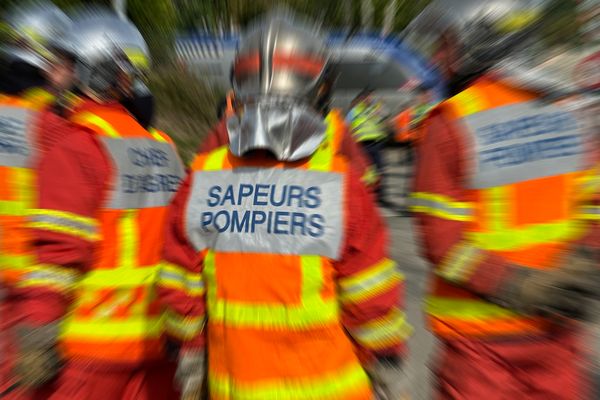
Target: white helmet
{"type": "Point", "coordinates": [480, 32]}
{"type": "Point", "coordinates": [107, 48]}
{"type": "Point", "coordinates": [33, 30]}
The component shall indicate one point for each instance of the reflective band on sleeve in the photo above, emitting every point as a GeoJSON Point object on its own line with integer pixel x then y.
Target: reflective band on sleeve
{"type": "Point", "coordinates": [339, 385]}
{"type": "Point", "coordinates": [460, 263]}
{"type": "Point", "coordinates": [383, 332]}
{"type": "Point", "coordinates": [183, 328]}
{"type": "Point", "coordinates": [441, 206]}
{"type": "Point", "coordinates": [465, 309]}
{"type": "Point", "coordinates": [370, 283]}
{"type": "Point", "coordinates": [63, 222]}
{"type": "Point", "coordinates": [49, 276]}
{"type": "Point", "coordinates": [172, 276]}
{"type": "Point", "coordinates": [370, 176]}
{"type": "Point", "coordinates": [589, 213]}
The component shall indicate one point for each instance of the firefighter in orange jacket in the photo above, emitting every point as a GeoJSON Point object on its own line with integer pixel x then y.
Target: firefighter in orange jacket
{"type": "Point", "coordinates": [98, 231]}
{"type": "Point", "coordinates": [34, 76]}
{"type": "Point", "coordinates": [504, 185]}
{"type": "Point", "coordinates": [275, 260]}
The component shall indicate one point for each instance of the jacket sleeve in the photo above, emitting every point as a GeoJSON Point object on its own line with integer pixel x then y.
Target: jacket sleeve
{"type": "Point", "coordinates": [180, 286]}
{"type": "Point", "coordinates": [355, 154]}
{"type": "Point", "coordinates": [370, 288]}
{"type": "Point", "coordinates": [63, 227]}
{"type": "Point", "coordinates": [216, 138]}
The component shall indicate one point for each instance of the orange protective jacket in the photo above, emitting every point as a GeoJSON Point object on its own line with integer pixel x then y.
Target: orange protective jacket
{"type": "Point", "coordinates": [502, 179]}
{"type": "Point", "coordinates": [98, 231]}
{"type": "Point", "coordinates": [286, 266]}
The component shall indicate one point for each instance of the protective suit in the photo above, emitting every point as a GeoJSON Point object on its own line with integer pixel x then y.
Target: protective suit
{"type": "Point", "coordinates": [504, 201]}
{"type": "Point", "coordinates": [275, 261]}
{"type": "Point", "coordinates": [90, 301]}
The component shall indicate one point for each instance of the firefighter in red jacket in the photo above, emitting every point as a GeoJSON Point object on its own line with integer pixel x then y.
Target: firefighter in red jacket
{"type": "Point", "coordinates": [504, 200]}
{"type": "Point", "coordinates": [98, 231]}
{"type": "Point", "coordinates": [275, 260]}
{"type": "Point", "coordinates": [34, 77]}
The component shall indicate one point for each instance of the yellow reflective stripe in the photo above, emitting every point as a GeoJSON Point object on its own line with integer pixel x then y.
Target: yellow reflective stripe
{"type": "Point", "coordinates": [128, 239]}
{"type": "Point", "coordinates": [183, 328]}
{"type": "Point", "coordinates": [322, 158]}
{"type": "Point", "coordinates": [460, 263]}
{"type": "Point", "coordinates": [82, 234]}
{"type": "Point", "coordinates": [338, 385]}
{"type": "Point", "coordinates": [24, 180]}
{"type": "Point", "coordinates": [312, 277]}
{"type": "Point", "coordinates": [589, 181]}
{"type": "Point", "coordinates": [120, 277]}
{"type": "Point", "coordinates": [371, 282]}
{"type": "Point", "coordinates": [497, 199]}
{"type": "Point", "coordinates": [522, 237]}
{"type": "Point", "coordinates": [87, 119]}
{"type": "Point", "coordinates": [465, 309]}
{"type": "Point", "coordinates": [14, 208]}
{"type": "Point", "coordinates": [63, 215]}
{"type": "Point", "coordinates": [589, 213]}
{"type": "Point", "coordinates": [370, 175]}
{"type": "Point", "coordinates": [383, 332]}
{"type": "Point", "coordinates": [440, 206]}
{"type": "Point", "coordinates": [38, 96]}
{"type": "Point", "coordinates": [102, 328]}
{"type": "Point", "coordinates": [312, 312]}
{"type": "Point", "coordinates": [157, 136]}
{"type": "Point", "coordinates": [468, 102]}
{"type": "Point", "coordinates": [48, 276]}
{"type": "Point", "coordinates": [172, 276]}
{"type": "Point", "coordinates": [214, 161]}
{"type": "Point", "coordinates": [16, 261]}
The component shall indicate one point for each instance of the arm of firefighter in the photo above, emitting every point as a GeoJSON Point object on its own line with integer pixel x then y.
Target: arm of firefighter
{"type": "Point", "coordinates": [216, 138]}
{"type": "Point", "coordinates": [63, 226]}
{"type": "Point", "coordinates": [442, 213]}
{"type": "Point", "coordinates": [180, 285]}
{"type": "Point", "coordinates": [356, 156]}
{"type": "Point", "coordinates": [370, 287]}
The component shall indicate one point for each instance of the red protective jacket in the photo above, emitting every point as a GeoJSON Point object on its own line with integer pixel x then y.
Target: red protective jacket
{"type": "Point", "coordinates": [366, 241]}
{"type": "Point", "coordinates": [80, 169]}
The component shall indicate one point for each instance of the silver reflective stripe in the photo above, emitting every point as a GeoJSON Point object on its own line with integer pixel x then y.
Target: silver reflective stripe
{"type": "Point", "coordinates": [523, 141]}
{"type": "Point", "coordinates": [444, 207]}
{"type": "Point", "coordinates": [385, 275]}
{"type": "Point", "coordinates": [66, 222]}
{"type": "Point", "coordinates": [16, 141]}
{"type": "Point", "coordinates": [147, 173]}
{"type": "Point", "coordinates": [166, 276]}
{"type": "Point", "coordinates": [270, 210]}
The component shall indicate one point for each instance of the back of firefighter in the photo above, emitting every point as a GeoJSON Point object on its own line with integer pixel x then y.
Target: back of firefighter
{"type": "Point", "coordinates": [275, 261]}
{"type": "Point", "coordinates": [504, 186]}
{"type": "Point", "coordinates": [366, 124]}
{"type": "Point", "coordinates": [98, 231]}
{"type": "Point", "coordinates": [32, 71]}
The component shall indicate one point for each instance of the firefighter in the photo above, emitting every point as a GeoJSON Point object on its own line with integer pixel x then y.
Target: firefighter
{"type": "Point", "coordinates": [34, 75]}
{"type": "Point", "coordinates": [275, 261]}
{"type": "Point", "coordinates": [504, 194]}
{"type": "Point", "coordinates": [98, 231]}
{"type": "Point", "coordinates": [366, 123]}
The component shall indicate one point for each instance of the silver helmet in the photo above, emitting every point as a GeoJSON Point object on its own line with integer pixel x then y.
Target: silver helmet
{"type": "Point", "coordinates": [478, 33]}
{"type": "Point", "coordinates": [32, 30]}
{"type": "Point", "coordinates": [107, 49]}
{"type": "Point", "coordinates": [277, 73]}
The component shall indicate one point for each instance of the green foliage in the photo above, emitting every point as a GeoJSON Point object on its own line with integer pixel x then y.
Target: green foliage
{"type": "Point", "coordinates": [186, 107]}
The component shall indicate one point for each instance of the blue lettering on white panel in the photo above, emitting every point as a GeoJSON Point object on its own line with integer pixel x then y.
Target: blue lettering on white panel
{"type": "Point", "coordinates": [523, 141]}
{"type": "Point", "coordinates": [266, 210]}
